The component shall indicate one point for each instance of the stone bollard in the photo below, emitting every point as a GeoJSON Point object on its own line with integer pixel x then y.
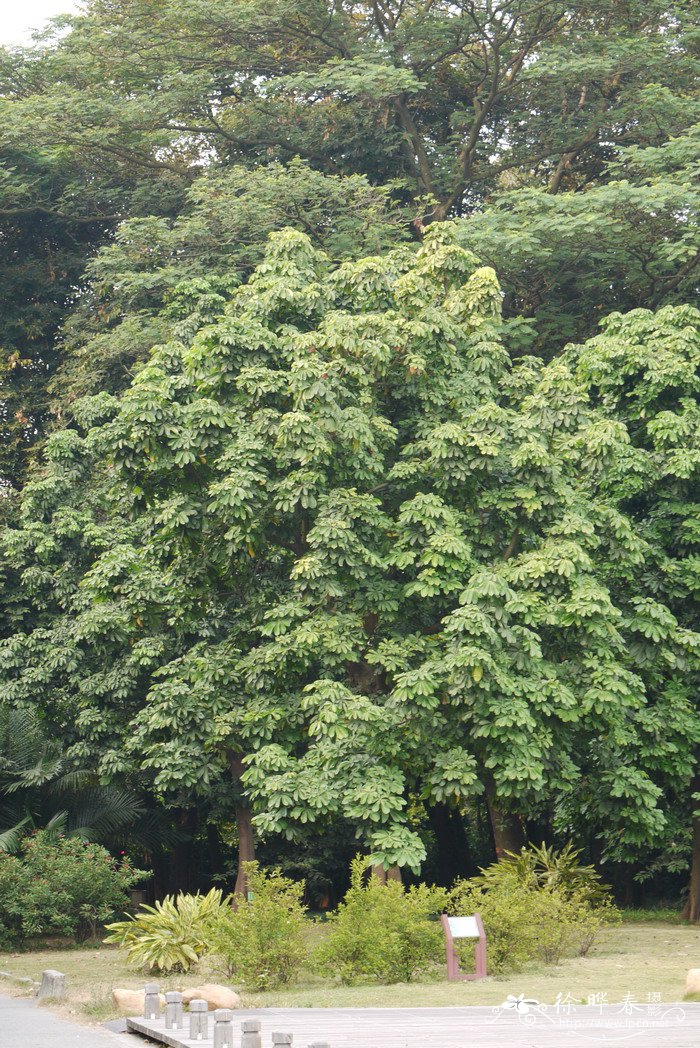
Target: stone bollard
{"type": "Point", "coordinates": [53, 984]}
{"type": "Point", "coordinates": [151, 1001]}
{"type": "Point", "coordinates": [250, 1033]}
{"type": "Point", "coordinates": [280, 1039]}
{"type": "Point", "coordinates": [223, 1028]}
{"type": "Point", "coordinates": [320, 1044]}
{"type": "Point", "coordinates": [199, 1021]}
{"type": "Point", "coordinates": [173, 1010]}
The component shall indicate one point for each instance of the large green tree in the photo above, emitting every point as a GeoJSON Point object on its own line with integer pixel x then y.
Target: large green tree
{"type": "Point", "coordinates": [331, 534]}
{"type": "Point", "coordinates": [374, 559]}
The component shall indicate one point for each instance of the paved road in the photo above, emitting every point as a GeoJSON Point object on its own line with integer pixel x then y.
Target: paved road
{"type": "Point", "coordinates": [23, 1024]}
{"type": "Point", "coordinates": [672, 1026]}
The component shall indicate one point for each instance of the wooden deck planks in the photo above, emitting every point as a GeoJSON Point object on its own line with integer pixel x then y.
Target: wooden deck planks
{"type": "Point", "coordinates": [675, 1026]}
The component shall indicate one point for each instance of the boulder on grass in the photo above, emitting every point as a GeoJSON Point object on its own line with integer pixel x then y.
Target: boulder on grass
{"type": "Point", "coordinates": [131, 1002]}
{"type": "Point", "coordinates": [53, 984]}
{"type": "Point", "coordinates": [692, 982]}
{"type": "Point", "coordinates": [214, 994]}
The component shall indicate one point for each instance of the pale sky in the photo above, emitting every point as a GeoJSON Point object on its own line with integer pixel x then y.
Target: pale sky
{"type": "Point", "coordinates": [19, 17]}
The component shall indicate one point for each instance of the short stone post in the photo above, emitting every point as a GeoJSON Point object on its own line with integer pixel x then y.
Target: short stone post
{"type": "Point", "coordinates": [250, 1033]}
{"type": "Point", "coordinates": [151, 1001]}
{"type": "Point", "coordinates": [280, 1039]}
{"type": "Point", "coordinates": [320, 1044]}
{"type": "Point", "coordinates": [173, 1010]}
{"type": "Point", "coordinates": [199, 1021]}
{"type": "Point", "coordinates": [223, 1028]}
{"type": "Point", "coordinates": [53, 984]}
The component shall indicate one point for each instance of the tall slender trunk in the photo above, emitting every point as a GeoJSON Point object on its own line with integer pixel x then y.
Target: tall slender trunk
{"type": "Point", "coordinates": [244, 825]}
{"type": "Point", "coordinates": [691, 910]}
{"type": "Point", "coordinates": [507, 829]}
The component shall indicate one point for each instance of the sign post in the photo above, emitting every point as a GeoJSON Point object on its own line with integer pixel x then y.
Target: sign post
{"type": "Point", "coordinates": [464, 928]}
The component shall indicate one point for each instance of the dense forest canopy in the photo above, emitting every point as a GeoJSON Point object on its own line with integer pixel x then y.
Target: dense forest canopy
{"type": "Point", "coordinates": [350, 363]}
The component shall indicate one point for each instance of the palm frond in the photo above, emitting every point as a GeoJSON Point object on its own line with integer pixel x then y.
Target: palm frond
{"type": "Point", "coordinates": [11, 838]}
{"type": "Point", "coordinates": [102, 811]}
{"type": "Point", "coordinates": [21, 738]}
{"type": "Point", "coordinates": [72, 781]}
{"type": "Point", "coordinates": [57, 823]}
{"type": "Point", "coordinates": [153, 831]}
{"type": "Point", "coordinates": [42, 772]}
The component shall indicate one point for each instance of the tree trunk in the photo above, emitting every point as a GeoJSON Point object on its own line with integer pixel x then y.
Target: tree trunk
{"type": "Point", "coordinates": [691, 910]}
{"type": "Point", "coordinates": [382, 875]}
{"type": "Point", "coordinates": [244, 824]}
{"type": "Point", "coordinates": [453, 853]}
{"type": "Point", "coordinates": [507, 829]}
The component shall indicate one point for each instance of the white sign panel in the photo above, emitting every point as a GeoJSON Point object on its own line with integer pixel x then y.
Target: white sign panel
{"type": "Point", "coordinates": [463, 927]}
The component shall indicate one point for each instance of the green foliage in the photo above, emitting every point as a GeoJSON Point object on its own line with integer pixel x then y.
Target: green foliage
{"type": "Point", "coordinates": [170, 936]}
{"type": "Point", "coordinates": [644, 368]}
{"type": "Point", "coordinates": [260, 939]}
{"type": "Point", "coordinates": [451, 100]}
{"type": "Point", "coordinates": [566, 261]}
{"type": "Point", "coordinates": [382, 931]}
{"type": "Point", "coordinates": [546, 867]}
{"type": "Point", "coordinates": [117, 115]}
{"type": "Point", "coordinates": [61, 886]}
{"type": "Point", "coordinates": [333, 531]}
{"type": "Point", "coordinates": [40, 788]}
{"type": "Point", "coordinates": [157, 270]}
{"type": "Point", "coordinates": [537, 905]}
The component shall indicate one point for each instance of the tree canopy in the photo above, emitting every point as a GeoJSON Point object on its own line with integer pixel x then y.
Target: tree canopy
{"type": "Point", "coordinates": [356, 549]}
{"type": "Point", "coordinates": [349, 432]}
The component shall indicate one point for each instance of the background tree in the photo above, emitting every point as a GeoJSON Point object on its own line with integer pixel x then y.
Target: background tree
{"type": "Point", "coordinates": [446, 97]}
{"type": "Point", "coordinates": [566, 261]}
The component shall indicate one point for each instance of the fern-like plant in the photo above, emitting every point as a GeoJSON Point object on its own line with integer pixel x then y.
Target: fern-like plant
{"type": "Point", "coordinates": [170, 936]}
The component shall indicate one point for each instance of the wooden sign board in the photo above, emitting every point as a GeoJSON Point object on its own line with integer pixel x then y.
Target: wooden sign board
{"type": "Point", "coordinates": [470, 927]}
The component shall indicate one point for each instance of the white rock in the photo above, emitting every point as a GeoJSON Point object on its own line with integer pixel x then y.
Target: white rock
{"type": "Point", "coordinates": [692, 982]}
{"type": "Point", "coordinates": [214, 994]}
{"type": "Point", "coordinates": [131, 1002]}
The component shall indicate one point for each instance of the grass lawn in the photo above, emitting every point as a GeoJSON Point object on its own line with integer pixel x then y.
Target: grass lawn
{"type": "Point", "coordinates": [636, 957]}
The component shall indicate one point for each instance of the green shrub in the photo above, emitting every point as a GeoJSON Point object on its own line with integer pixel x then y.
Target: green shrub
{"type": "Point", "coordinates": [544, 867]}
{"type": "Point", "coordinates": [61, 886]}
{"type": "Point", "coordinates": [382, 931]}
{"type": "Point", "coordinates": [535, 907]}
{"type": "Point", "coordinates": [170, 936]}
{"type": "Point", "coordinates": [260, 940]}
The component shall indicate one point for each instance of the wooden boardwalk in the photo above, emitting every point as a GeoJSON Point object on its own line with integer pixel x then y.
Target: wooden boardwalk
{"type": "Point", "coordinates": [643, 1026]}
